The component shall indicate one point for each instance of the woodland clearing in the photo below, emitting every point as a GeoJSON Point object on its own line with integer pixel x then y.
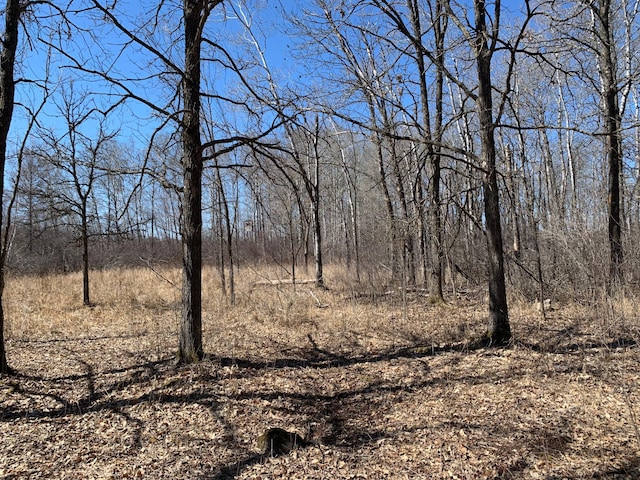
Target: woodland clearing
{"type": "Point", "coordinates": [381, 383]}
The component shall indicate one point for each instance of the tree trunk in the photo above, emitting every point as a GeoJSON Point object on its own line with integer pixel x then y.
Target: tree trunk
{"type": "Point", "coordinates": [86, 301]}
{"type": "Point", "coordinates": [612, 125]}
{"type": "Point", "coordinates": [499, 332]}
{"type": "Point", "coordinates": [217, 235]}
{"type": "Point", "coordinates": [353, 210]}
{"type": "Point", "coordinates": [317, 244]}
{"type": "Point", "coordinates": [436, 253]}
{"type": "Point", "coordinates": [190, 349]}
{"type": "Point", "coordinates": [7, 89]}
{"type": "Point", "coordinates": [435, 212]}
{"type": "Point", "coordinates": [228, 234]}
{"type": "Point", "coordinates": [315, 200]}
{"type": "Point", "coordinates": [393, 235]}
{"type": "Point", "coordinates": [435, 238]}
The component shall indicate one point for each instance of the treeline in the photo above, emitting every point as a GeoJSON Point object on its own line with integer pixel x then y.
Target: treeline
{"type": "Point", "coordinates": [270, 220]}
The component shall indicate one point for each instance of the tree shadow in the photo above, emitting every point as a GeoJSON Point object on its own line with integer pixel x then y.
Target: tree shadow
{"type": "Point", "coordinates": [332, 410]}
{"type": "Point", "coordinates": [235, 469]}
{"type": "Point", "coordinates": [318, 358]}
{"type": "Point", "coordinates": [52, 341]}
{"type": "Point", "coordinates": [93, 400]}
{"type": "Point", "coordinates": [335, 410]}
{"type": "Point", "coordinates": [564, 343]}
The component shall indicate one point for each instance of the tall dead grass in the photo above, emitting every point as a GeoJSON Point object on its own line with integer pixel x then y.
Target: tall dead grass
{"type": "Point", "coordinates": [264, 318]}
{"type": "Point", "coordinates": [131, 301]}
{"type": "Point", "coordinates": [125, 301]}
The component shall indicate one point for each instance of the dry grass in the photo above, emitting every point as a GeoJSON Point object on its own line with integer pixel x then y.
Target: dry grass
{"type": "Point", "coordinates": [376, 381]}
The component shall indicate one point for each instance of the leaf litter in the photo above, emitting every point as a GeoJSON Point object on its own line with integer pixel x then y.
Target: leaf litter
{"type": "Point", "coordinates": [410, 402]}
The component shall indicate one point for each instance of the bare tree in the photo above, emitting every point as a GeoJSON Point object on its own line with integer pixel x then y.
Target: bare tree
{"type": "Point", "coordinates": [599, 38]}
{"type": "Point", "coordinates": [301, 142]}
{"type": "Point", "coordinates": [12, 12]}
{"type": "Point", "coordinates": [430, 130]}
{"type": "Point", "coordinates": [602, 12]}
{"type": "Point", "coordinates": [220, 205]}
{"type": "Point", "coordinates": [440, 23]}
{"type": "Point", "coordinates": [76, 159]}
{"type": "Point", "coordinates": [484, 45]}
{"type": "Point", "coordinates": [366, 75]}
{"type": "Point", "coordinates": [482, 38]}
{"type": "Point", "coordinates": [195, 14]}
{"type": "Point", "coordinates": [350, 173]}
{"type": "Point", "coordinates": [299, 164]}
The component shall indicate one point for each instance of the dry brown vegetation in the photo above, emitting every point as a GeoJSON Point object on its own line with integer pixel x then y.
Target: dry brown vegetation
{"type": "Point", "coordinates": [380, 384]}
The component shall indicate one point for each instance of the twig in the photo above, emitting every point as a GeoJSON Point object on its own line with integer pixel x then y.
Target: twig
{"type": "Point", "coordinates": [158, 274]}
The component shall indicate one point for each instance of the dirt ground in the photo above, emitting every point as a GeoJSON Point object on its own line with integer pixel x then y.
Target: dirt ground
{"type": "Point", "coordinates": [380, 384]}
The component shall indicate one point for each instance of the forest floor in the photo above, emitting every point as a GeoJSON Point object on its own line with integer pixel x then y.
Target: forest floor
{"type": "Point", "coordinates": [382, 385]}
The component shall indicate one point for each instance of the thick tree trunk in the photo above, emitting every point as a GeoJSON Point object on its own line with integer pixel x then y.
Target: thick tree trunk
{"type": "Point", "coordinates": [7, 89]}
{"type": "Point", "coordinates": [612, 125]}
{"type": "Point", "coordinates": [499, 331]}
{"type": "Point", "coordinates": [190, 349]}
{"type": "Point", "coordinates": [435, 239]}
{"type": "Point", "coordinates": [435, 212]}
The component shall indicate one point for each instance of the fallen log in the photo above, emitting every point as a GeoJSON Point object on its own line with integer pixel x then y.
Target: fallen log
{"type": "Point", "coordinates": [281, 282]}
